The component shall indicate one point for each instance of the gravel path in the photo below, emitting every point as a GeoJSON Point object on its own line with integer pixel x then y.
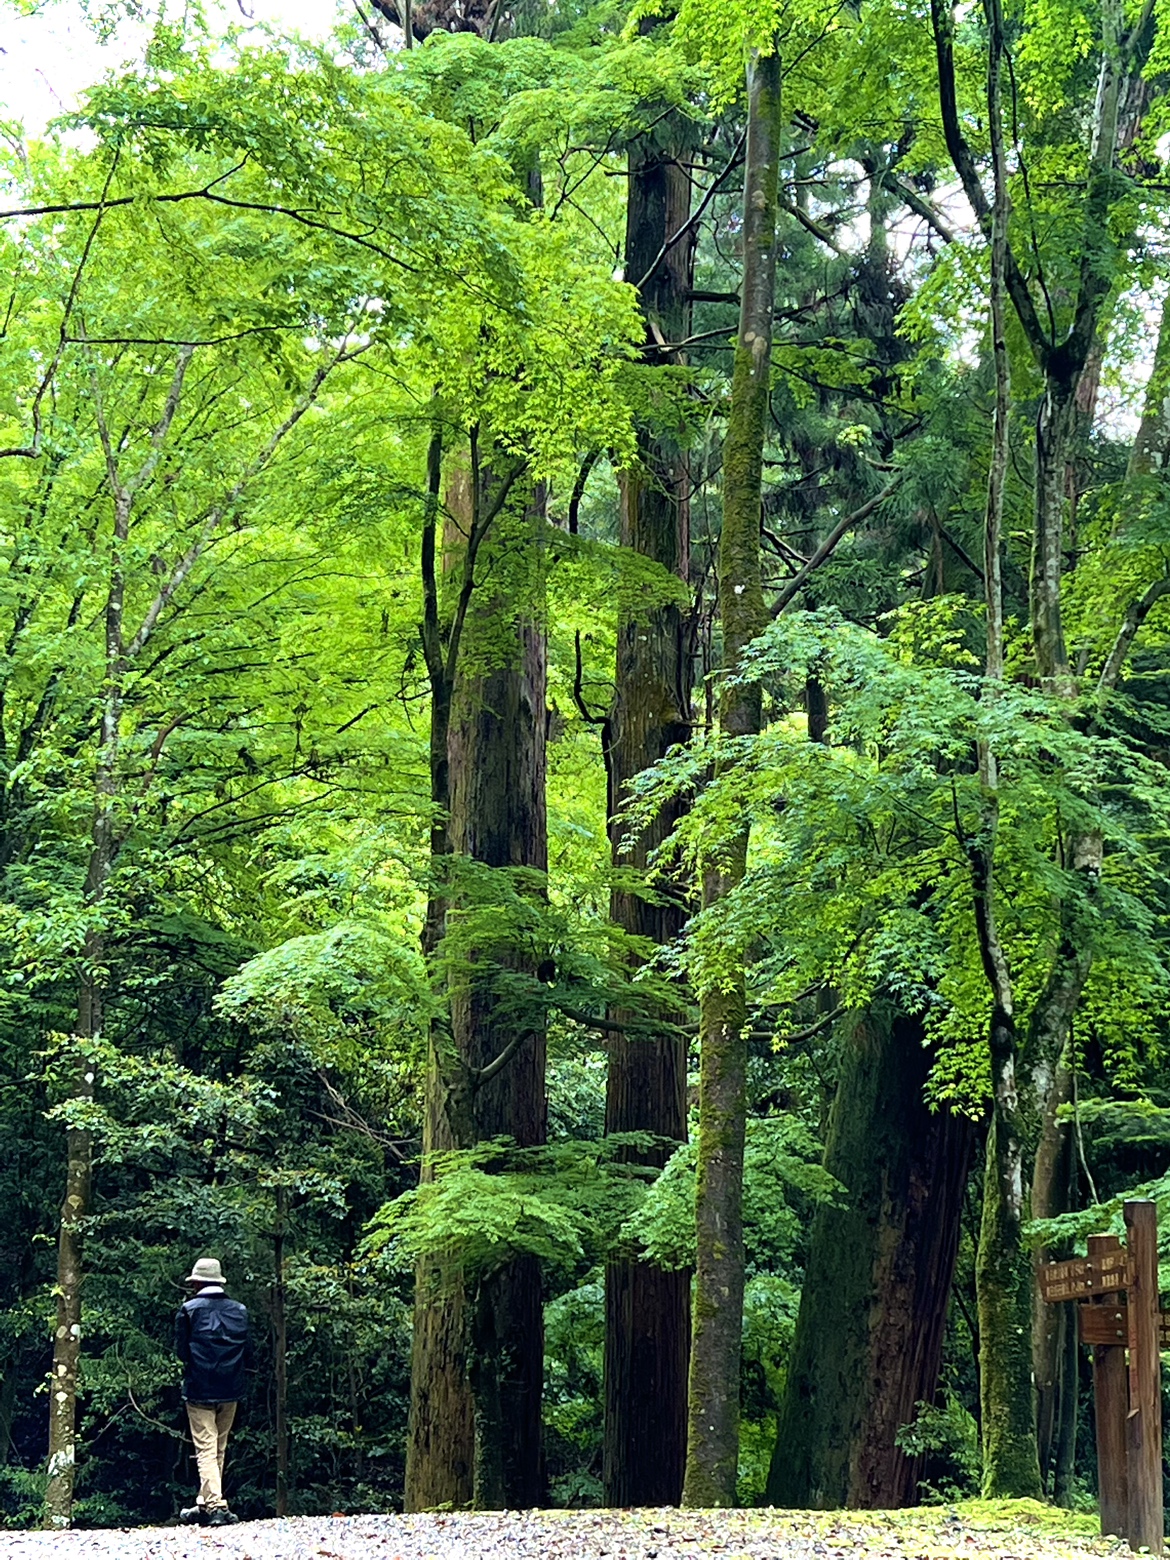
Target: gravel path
{"type": "Point", "coordinates": [931, 1534]}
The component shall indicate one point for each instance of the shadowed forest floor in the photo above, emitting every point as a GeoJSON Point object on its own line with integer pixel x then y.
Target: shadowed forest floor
{"type": "Point", "coordinates": [1019, 1530]}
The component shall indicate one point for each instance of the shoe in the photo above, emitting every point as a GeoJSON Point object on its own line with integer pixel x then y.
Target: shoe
{"type": "Point", "coordinates": [193, 1514]}
{"type": "Point", "coordinates": [220, 1517]}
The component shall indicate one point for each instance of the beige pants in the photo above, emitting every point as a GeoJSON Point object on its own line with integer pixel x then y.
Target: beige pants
{"type": "Point", "coordinates": [209, 1430]}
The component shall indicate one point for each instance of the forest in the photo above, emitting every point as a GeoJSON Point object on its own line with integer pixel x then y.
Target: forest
{"type": "Point", "coordinates": [585, 748]}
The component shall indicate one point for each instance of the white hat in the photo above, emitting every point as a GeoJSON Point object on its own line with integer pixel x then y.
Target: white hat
{"type": "Point", "coordinates": [206, 1271]}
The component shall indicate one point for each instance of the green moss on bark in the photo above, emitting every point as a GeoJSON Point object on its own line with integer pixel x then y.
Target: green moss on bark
{"type": "Point", "coordinates": [1003, 1276]}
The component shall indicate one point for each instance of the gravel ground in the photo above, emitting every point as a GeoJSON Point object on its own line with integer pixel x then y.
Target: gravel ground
{"type": "Point", "coordinates": [573, 1535]}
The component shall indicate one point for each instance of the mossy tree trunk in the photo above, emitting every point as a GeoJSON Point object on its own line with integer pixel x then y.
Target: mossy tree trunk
{"type": "Point", "coordinates": [713, 1395]}
{"type": "Point", "coordinates": [873, 1307]}
{"type": "Point", "coordinates": [1052, 1184]}
{"type": "Point", "coordinates": [647, 1308]}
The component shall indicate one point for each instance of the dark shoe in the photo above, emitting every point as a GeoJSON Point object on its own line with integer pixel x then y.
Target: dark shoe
{"type": "Point", "coordinates": [220, 1517]}
{"type": "Point", "coordinates": [193, 1514]}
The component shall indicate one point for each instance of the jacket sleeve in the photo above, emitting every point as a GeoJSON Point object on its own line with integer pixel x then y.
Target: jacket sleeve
{"type": "Point", "coordinates": [183, 1336]}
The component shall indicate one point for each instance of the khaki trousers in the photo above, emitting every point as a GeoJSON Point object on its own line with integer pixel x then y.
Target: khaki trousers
{"type": "Point", "coordinates": [210, 1423]}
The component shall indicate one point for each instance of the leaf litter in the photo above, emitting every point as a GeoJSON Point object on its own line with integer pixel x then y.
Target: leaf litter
{"type": "Point", "coordinates": [979, 1530]}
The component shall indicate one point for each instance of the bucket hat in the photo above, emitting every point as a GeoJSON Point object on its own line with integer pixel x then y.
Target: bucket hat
{"type": "Point", "coordinates": [206, 1271]}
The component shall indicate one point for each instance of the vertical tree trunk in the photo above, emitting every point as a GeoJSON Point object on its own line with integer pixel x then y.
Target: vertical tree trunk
{"type": "Point", "coordinates": [647, 1308]}
{"type": "Point", "coordinates": [8, 1384]}
{"type": "Point", "coordinates": [440, 1452]}
{"type": "Point", "coordinates": [1003, 1274]}
{"type": "Point", "coordinates": [478, 1356]}
{"type": "Point", "coordinates": [1064, 1452]}
{"type": "Point", "coordinates": [1052, 1181]}
{"type": "Point", "coordinates": [498, 818]}
{"type": "Point", "coordinates": [63, 1383]}
{"type": "Point", "coordinates": [873, 1307]}
{"type": "Point", "coordinates": [713, 1399]}
{"type": "Point", "coordinates": [280, 1354]}
{"type": "Point", "coordinates": [1003, 1278]}
{"type": "Point", "coordinates": [62, 1459]}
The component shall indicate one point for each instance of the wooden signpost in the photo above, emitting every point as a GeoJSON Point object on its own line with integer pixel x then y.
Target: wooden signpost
{"type": "Point", "coordinates": [1118, 1286]}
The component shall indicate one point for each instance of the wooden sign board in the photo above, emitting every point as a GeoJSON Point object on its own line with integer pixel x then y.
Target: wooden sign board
{"type": "Point", "coordinates": [1106, 1325]}
{"type": "Point", "coordinates": [1080, 1276]}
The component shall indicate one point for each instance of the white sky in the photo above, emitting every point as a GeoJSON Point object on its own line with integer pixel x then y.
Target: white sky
{"type": "Point", "coordinates": [47, 58]}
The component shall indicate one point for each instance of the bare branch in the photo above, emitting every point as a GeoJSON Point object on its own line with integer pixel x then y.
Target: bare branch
{"type": "Point", "coordinates": [216, 516]}
{"type": "Point", "coordinates": [578, 689]}
{"type": "Point", "coordinates": [921, 208]}
{"type": "Point", "coordinates": [798, 581]}
{"type": "Point", "coordinates": [696, 216]}
{"type": "Point", "coordinates": [1138, 612]}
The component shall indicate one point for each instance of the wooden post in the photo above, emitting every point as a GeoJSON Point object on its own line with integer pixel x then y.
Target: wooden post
{"type": "Point", "coordinates": [1110, 1407]}
{"type": "Point", "coordinates": [1144, 1422]}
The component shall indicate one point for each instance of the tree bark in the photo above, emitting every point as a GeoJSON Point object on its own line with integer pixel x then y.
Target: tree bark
{"type": "Point", "coordinates": [63, 1384]}
{"type": "Point", "coordinates": [1052, 1182]}
{"type": "Point", "coordinates": [1151, 447]}
{"type": "Point", "coordinates": [280, 1354]}
{"type": "Point", "coordinates": [647, 1308]}
{"type": "Point", "coordinates": [1003, 1279]}
{"type": "Point", "coordinates": [713, 1396]}
{"type": "Point", "coordinates": [477, 1359]}
{"type": "Point", "coordinates": [498, 817]}
{"type": "Point", "coordinates": [873, 1306]}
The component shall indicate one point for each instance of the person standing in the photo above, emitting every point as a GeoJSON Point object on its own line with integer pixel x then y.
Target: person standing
{"type": "Point", "coordinates": [213, 1341]}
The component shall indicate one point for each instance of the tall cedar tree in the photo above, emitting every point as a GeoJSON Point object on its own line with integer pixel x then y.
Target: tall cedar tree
{"type": "Point", "coordinates": [477, 1361]}
{"type": "Point", "coordinates": [647, 1307]}
{"type": "Point", "coordinates": [873, 1305]}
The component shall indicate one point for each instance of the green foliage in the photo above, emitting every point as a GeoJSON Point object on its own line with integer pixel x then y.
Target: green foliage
{"type": "Point", "coordinates": [884, 818]}
{"type": "Point", "coordinates": [950, 1432]}
{"type": "Point", "coordinates": [782, 1177]}
{"type": "Point", "coordinates": [357, 254]}
{"type": "Point", "coordinates": [563, 1204]}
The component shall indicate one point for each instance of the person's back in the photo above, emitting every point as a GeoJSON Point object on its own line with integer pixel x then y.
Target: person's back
{"type": "Point", "coordinates": [213, 1342]}
{"type": "Point", "coordinates": [217, 1348]}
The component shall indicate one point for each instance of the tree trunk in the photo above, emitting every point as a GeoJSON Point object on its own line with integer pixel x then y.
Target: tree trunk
{"type": "Point", "coordinates": [647, 1308]}
{"type": "Point", "coordinates": [873, 1306]}
{"type": "Point", "coordinates": [280, 1354]}
{"type": "Point", "coordinates": [478, 1358]}
{"type": "Point", "coordinates": [1151, 447]}
{"type": "Point", "coordinates": [713, 1397]}
{"type": "Point", "coordinates": [1056, 425]}
{"type": "Point", "coordinates": [1064, 1455]}
{"type": "Point", "coordinates": [498, 818]}
{"type": "Point", "coordinates": [1052, 1182]}
{"type": "Point", "coordinates": [8, 1385]}
{"type": "Point", "coordinates": [63, 1385]}
{"type": "Point", "coordinates": [1003, 1277]}
{"type": "Point", "coordinates": [62, 1458]}
{"type": "Point", "coordinates": [441, 1430]}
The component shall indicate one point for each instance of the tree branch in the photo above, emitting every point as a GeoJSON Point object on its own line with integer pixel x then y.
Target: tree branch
{"type": "Point", "coordinates": [215, 517]}
{"type": "Point", "coordinates": [696, 216]}
{"type": "Point", "coordinates": [798, 581]}
{"type": "Point", "coordinates": [943, 24]}
{"type": "Point", "coordinates": [1138, 612]}
{"type": "Point", "coordinates": [921, 208]}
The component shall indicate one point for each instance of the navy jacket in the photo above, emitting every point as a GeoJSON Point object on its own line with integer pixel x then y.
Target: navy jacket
{"type": "Point", "coordinates": [213, 1342]}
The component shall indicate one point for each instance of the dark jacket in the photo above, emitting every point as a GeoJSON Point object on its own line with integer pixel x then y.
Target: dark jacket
{"type": "Point", "coordinates": [213, 1342]}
